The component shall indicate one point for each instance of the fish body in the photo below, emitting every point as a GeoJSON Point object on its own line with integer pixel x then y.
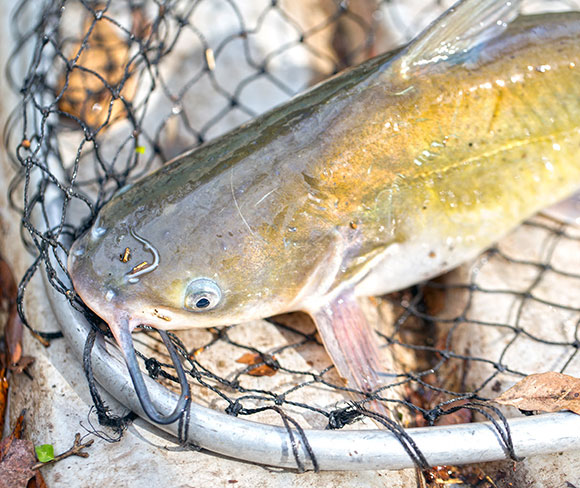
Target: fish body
{"type": "Point", "coordinates": [385, 175]}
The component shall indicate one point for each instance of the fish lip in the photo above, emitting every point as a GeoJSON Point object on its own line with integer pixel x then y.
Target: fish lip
{"type": "Point", "coordinates": [88, 287]}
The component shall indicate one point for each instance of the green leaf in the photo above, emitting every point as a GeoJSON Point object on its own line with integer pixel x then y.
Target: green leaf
{"type": "Point", "coordinates": [45, 452]}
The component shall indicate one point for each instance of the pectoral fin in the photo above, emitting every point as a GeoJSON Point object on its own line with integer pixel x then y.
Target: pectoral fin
{"type": "Point", "coordinates": [353, 346]}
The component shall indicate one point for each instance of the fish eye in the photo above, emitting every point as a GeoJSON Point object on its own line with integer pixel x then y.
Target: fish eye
{"type": "Point", "coordinates": [202, 294]}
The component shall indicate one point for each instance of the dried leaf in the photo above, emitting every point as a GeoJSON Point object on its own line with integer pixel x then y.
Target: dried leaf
{"type": "Point", "coordinates": [8, 287]}
{"type": "Point", "coordinates": [3, 398]}
{"type": "Point", "coordinates": [251, 359]}
{"type": "Point", "coordinates": [37, 481]}
{"type": "Point", "coordinates": [427, 398]}
{"type": "Point", "coordinates": [462, 416]}
{"type": "Point", "coordinates": [22, 364]}
{"type": "Point", "coordinates": [434, 299]}
{"type": "Point", "coordinates": [141, 28]}
{"type": "Point", "coordinates": [104, 56]}
{"type": "Point", "coordinates": [13, 328]}
{"type": "Point", "coordinates": [441, 474]}
{"type": "Point", "coordinates": [547, 392]}
{"type": "Point", "coordinates": [15, 467]}
{"type": "Point", "coordinates": [13, 336]}
{"type": "Point", "coordinates": [19, 427]}
{"type": "Point", "coordinates": [16, 434]}
{"type": "Point", "coordinates": [464, 476]}
{"type": "Point", "coordinates": [16, 458]}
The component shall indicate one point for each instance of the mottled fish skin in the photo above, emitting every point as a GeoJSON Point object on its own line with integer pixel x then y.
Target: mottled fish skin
{"type": "Point", "coordinates": [374, 180]}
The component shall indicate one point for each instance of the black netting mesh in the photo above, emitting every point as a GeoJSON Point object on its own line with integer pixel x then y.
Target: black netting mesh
{"type": "Point", "coordinates": [114, 89]}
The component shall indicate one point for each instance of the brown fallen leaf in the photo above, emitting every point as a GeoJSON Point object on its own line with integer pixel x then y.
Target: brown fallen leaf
{"type": "Point", "coordinates": [17, 460]}
{"type": "Point", "coordinates": [141, 26]}
{"type": "Point", "coordinates": [103, 60]}
{"type": "Point", "coordinates": [19, 467]}
{"type": "Point", "coordinates": [7, 283]}
{"type": "Point", "coordinates": [546, 392]}
{"type": "Point", "coordinates": [461, 416]}
{"type": "Point", "coordinates": [426, 398]}
{"type": "Point", "coordinates": [441, 474]}
{"type": "Point", "coordinates": [13, 326]}
{"type": "Point", "coordinates": [16, 464]}
{"type": "Point", "coordinates": [22, 364]}
{"type": "Point", "coordinates": [3, 398]}
{"type": "Point", "coordinates": [16, 434]}
{"type": "Point", "coordinates": [465, 476]}
{"type": "Point", "coordinates": [435, 298]}
{"type": "Point", "coordinates": [13, 337]}
{"type": "Point", "coordinates": [37, 481]}
{"type": "Point", "coordinates": [251, 359]}
{"type": "Point", "coordinates": [18, 428]}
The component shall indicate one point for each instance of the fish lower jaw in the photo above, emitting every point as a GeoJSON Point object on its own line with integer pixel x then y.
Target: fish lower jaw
{"type": "Point", "coordinates": [165, 320]}
{"type": "Point", "coordinates": [169, 319]}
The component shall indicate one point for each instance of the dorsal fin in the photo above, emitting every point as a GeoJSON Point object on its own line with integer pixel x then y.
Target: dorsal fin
{"type": "Point", "coordinates": [461, 28]}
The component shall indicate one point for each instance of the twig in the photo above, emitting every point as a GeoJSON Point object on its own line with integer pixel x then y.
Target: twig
{"type": "Point", "coordinates": [39, 338]}
{"type": "Point", "coordinates": [75, 450]}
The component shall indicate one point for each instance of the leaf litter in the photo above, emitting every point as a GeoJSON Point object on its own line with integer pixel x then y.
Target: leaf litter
{"type": "Point", "coordinates": [544, 392]}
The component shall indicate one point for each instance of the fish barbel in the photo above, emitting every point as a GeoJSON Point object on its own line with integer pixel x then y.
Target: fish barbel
{"type": "Point", "coordinates": [385, 175]}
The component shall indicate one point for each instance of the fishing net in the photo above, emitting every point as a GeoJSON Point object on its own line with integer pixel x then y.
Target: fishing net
{"type": "Point", "coordinates": [113, 90]}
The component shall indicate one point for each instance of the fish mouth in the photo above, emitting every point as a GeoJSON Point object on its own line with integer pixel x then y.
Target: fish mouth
{"type": "Point", "coordinates": [100, 297]}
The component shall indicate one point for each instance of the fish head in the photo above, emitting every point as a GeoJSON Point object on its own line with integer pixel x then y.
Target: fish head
{"type": "Point", "coordinates": [160, 267]}
{"type": "Point", "coordinates": [173, 257]}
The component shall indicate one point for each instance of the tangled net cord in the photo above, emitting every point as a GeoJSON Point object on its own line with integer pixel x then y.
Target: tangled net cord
{"type": "Point", "coordinates": [150, 33]}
